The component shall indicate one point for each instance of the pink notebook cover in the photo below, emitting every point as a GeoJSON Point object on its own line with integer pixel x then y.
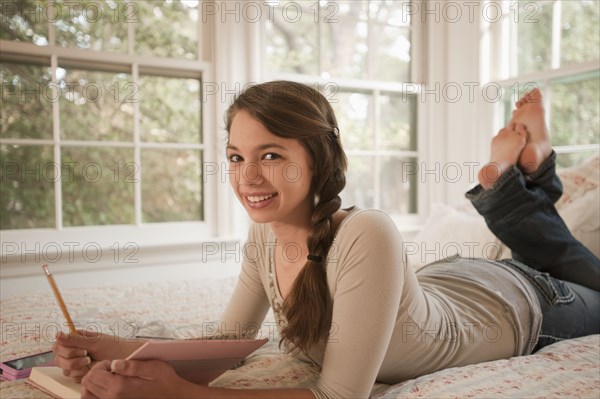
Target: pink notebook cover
{"type": "Point", "coordinates": [199, 361]}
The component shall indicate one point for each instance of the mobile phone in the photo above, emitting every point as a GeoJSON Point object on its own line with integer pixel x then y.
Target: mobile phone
{"type": "Point", "coordinates": [21, 367]}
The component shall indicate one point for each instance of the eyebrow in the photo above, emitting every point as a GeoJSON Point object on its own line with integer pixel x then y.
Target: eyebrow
{"type": "Point", "coordinates": [260, 147]}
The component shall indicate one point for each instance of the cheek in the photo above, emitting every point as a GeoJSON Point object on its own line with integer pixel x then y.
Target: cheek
{"type": "Point", "coordinates": [299, 178]}
{"type": "Point", "coordinates": [230, 175]}
{"type": "Point", "coordinates": [293, 173]}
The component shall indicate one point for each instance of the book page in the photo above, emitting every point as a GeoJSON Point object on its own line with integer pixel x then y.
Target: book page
{"type": "Point", "coordinates": [52, 381]}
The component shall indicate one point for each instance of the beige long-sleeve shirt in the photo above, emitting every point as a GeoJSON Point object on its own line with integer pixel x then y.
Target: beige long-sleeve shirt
{"type": "Point", "coordinates": [389, 323]}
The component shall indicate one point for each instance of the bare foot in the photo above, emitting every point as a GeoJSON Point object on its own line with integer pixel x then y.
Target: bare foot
{"type": "Point", "coordinates": [530, 112]}
{"type": "Point", "coordinates": [507, 147]}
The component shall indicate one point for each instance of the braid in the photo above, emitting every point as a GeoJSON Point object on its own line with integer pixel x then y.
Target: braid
{"type": "Point", "coordinates": [307, 307]}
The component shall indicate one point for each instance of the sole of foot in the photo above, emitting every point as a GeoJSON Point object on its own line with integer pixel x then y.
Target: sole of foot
{"type": "Point", "coordinates": [530, 112]}
{"type": "Point", "coordinates": [507, 147]}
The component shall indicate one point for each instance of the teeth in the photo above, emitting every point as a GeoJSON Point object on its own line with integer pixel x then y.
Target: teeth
{"type": "Point", "coordinates": [259, 198]}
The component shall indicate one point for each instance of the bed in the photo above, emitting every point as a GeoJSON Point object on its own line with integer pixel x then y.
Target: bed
{"type": "Point", "coordinates": [185, 309]}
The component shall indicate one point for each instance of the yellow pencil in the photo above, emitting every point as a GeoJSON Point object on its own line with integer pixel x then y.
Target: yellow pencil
{"type": "Point", "coordinates": [60, 301]}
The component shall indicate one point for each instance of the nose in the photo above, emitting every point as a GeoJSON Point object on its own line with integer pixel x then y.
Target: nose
{"type": "Point", "coordinates": [251, 174]}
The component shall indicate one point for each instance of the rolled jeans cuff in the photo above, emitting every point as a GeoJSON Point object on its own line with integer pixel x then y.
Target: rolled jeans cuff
{"type": "Point", "coordinates": [547, 166]}
{"type": "Point", "coordinates": [544, 173]}
{"type": "Point", "coordinates": [479, 196]}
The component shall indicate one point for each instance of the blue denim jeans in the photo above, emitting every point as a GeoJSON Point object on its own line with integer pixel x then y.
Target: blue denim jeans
{"type": "Point", "coordinates": [520, 211]}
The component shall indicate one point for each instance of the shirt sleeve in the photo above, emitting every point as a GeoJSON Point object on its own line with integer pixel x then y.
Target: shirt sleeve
{"type": "Point", "coordinates": [369, 268]}
{"type": "Point", "coordinates": [248, 304]}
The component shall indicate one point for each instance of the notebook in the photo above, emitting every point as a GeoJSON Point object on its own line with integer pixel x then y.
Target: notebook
{"type": "Point", "coordinates": [199, 361]}
{"type": "Point", "coordinates": [52, 381]}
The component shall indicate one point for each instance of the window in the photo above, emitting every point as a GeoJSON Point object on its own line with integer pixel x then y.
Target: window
{"type": "Point", "coordinates": [556, 46]}
{"type": "Point", "coordinates": [358, 54]}
{"type": "Point", "coordinates": [101, 115]}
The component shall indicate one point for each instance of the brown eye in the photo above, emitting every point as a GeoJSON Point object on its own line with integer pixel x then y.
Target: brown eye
{"type": "Point", "coordinates": [271, 156]}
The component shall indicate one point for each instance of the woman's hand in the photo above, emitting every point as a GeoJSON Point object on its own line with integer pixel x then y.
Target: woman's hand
{"type": "Point", "coordinates": [76, 354]}
{"type": "Point", "coordinates": [137, 379]}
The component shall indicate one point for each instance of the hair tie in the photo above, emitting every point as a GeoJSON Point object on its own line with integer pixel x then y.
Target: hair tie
{"type": "Point", "coordinates": [315, 258]}
{"type": "Point", "coordinates": [336, 132]}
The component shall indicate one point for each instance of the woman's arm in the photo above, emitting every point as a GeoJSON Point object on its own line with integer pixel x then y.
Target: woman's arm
{"type": "Point", "coordinates": [224, 393]}
{"type": "Point", "coordinates": [369, 272]}
{"type": "Point", "coordinates": [75, 353]}
{"type": "Point", "coordinates": [249, 303]}
{"type": "Point", "coordinates": [155, 379]}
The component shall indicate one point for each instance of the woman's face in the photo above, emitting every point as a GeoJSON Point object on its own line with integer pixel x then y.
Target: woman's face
{"type": "Point", "coordinates": [270, 175]}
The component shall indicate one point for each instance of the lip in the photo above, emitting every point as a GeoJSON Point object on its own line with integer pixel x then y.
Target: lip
{"type": "Point", "coordinates": [260, 204]}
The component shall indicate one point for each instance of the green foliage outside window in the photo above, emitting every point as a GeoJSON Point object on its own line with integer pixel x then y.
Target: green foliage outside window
{"type": "Point", "coordinates": [97, 104]}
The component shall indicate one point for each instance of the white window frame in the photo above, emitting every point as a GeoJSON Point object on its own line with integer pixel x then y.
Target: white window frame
{"type": "Point", "coordinates": [409, 223]}
{"type": "Point", "coordinates": [43, 243]}
{"type": "Point", "coordinates": [502, 67]}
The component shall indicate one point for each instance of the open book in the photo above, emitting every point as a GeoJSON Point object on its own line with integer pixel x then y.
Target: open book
{"type": "Point", "coordinates": [52, 381]}
{"type": "Point", "coordinates": [198, 360]}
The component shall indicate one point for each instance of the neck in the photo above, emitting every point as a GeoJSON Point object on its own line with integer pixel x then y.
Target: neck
{"type": "Point", "coordinates": [295, 228]}
{"type": "Point", "coordinates": [291, 233]}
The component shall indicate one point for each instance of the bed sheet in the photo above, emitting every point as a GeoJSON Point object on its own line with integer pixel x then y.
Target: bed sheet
{"type": "Point", "coordinates": [185, 309]}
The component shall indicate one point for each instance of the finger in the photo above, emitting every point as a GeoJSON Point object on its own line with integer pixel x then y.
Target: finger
{"type": "Point", "coordinates": [68, 352]}
{"type": "Point", "coordinates": [76, 374]}
{"type": "Point", "coordinates": [146, 369]}
{"type": "Point", "coordinates": [84, 340]}
{"type": "Point", "coordinates": [85, 394]}
{"type": "Point", "coordinates": [98, 367]}
{"type": "Point", "coordinates": [99, 380]}
{"type": "Point", "coordinates": [94, 389]}
{"type": "Point", "coordinates": [511, 125]}
{"type": "Point", "coordinates": [73, 367]}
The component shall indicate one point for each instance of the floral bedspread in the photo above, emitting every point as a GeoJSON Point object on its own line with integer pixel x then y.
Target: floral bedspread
{"type": "Point", "coordinates": [184, 309]}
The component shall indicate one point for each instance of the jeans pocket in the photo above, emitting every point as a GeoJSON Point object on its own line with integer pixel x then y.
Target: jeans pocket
{"type": "Point", "coordinates": [553, 290]}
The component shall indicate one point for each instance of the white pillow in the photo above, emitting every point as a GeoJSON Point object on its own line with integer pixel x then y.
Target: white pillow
{"type": "Point", "coordinates": [461, 230]}
{"type": "Point", "coordinates": [453, 231]}
{"type": "Point", "coordinates": [579, 205]}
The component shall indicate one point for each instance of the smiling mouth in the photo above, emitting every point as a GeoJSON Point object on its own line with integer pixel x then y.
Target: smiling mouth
{"type": "Point", "coordinates": [255, 199]}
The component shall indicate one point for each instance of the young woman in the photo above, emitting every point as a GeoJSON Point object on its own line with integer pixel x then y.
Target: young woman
{"type": "Point", "coordinates": [337, 279]}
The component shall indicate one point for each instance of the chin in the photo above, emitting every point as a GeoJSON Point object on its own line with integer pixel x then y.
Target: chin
{"type": "Point", "coordinates": [257, 217]}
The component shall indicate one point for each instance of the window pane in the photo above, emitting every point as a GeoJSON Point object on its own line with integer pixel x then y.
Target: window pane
{"type": "Point", "coordinates": [28, 176]}
{"type": "Point", "coordinates": [359, 189]}
{"type": "Point", "coordinates": [96, 105]}
{"type": "Point", "coordinates": [575, 110]}
{"type": "Point", "coordinates": [170, 109]}
{"type": "Point", "coordinates": [567, 160]}
{"type": "Point", "coordinates": [98, 186]}
{"type": "Point", "coordinates": [292, 38]}
{"type": "Point", "coordinates": [26, 101]}
{"type": "Point", "coordinates": [171, 185]}
{"type": "Point", "coordinates": [512, 94]}
{"type": "Point", "coordinates": [345, 45]}
{"type": "Point", "coordinates": [389, 45]}
{"type": "Point", "coordinates": [24, 21]}
{"type": "Point", "coordinates": [400, 193]}
{"type": "Point", "coordinates": [92, 24]}
{"type": "Point", "coordinates": [398, 122]}
{"type": "Point", "coordinates": [167, 28]}
{"type": "Point", "coordinates": [534, 36]}
{"type": "Point", "coordinates": [347, 39]}
{"type": "Point", "coordinates": [580, 39]}
{"type": "Point", "coordinates": [353, 112]}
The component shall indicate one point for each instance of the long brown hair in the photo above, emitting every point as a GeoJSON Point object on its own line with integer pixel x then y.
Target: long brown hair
{"type": "Point", "coordinates": [293, 110]}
